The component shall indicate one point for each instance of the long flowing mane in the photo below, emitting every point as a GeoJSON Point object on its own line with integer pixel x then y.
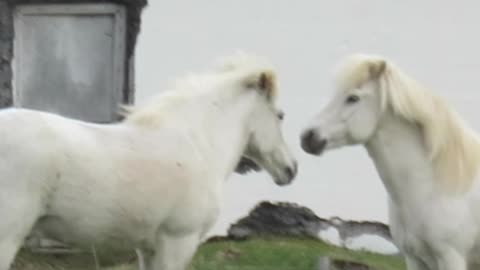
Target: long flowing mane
{"type": "Point", "coordinates": [195, 84]}
{"type": "Point", "coordinates": [453, 147]}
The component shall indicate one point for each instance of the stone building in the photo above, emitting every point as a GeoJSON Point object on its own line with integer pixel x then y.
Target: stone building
{"type": "Point", "coordinates": [73, 57]}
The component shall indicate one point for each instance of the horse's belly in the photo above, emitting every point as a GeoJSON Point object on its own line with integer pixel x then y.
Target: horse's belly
{"type": "Point", "coordinates": [104, 213]}
{"type": "Point", "coordinates": [114, 236]}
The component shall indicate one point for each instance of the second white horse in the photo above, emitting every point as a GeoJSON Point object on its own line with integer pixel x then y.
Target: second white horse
{"type": "Point", "coordinates": [427, 158]}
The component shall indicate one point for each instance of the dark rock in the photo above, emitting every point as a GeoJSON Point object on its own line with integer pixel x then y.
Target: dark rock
{"type": "Point", "coordinates": [288, 219]}
{"type": "Point", "coordinates": [351, 228]}
{"type": "Point", "coordinates": [284, 219]}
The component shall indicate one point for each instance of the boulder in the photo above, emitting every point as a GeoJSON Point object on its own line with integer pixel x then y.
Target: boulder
{"type": "Point", "coordinates": [289, 219]}
{"type": "Point", "coordinates": [277, 219]}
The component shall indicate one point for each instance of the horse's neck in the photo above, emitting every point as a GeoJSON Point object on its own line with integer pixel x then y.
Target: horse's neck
{"type": "Point", "coordinates": [216, 130]}
{"type": "Point", "coordinates": [402, 161]}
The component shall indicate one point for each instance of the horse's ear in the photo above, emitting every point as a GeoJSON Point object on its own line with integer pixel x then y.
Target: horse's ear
{"type": "Point", "coordinates": [376, 68]}
{"type": "Point", "coordinates": [264, 82]}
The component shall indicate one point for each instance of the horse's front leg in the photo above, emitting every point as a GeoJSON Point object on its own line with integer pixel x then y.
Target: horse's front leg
{"type": "Point", "coordinates": [173, 252]}
{"type": "Point", "coordinates": [141, 258]}
{"type": "Point", "coordinates": [450, 259]}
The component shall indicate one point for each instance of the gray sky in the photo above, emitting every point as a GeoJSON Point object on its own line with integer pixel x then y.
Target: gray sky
{"type": "Point", "coordinates": [437, 42]}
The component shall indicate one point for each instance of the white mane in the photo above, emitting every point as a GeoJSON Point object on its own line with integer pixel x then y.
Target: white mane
{"type": "Point", "coordinates": [195, 84]}
{"type": "Point", "coordinates": [454, 148]}
{"type": "Point", "coordinates": [241, 60]}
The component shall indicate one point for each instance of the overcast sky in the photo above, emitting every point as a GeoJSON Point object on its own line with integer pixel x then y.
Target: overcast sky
{"type": "Point", "coordinates": [437, 42]}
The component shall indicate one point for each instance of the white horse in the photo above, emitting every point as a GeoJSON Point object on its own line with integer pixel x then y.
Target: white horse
{"type": "Point", "coordinates": [427, 158]}
{"type": "Point", "coordinates": [153, 181]}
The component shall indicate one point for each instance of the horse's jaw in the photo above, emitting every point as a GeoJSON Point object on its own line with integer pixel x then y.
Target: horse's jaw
{"type": "Point", "coordinates": [246, 165]}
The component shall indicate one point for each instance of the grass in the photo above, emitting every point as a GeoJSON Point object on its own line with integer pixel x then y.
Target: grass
{"type": "Point", "coordinates": [254, 254]}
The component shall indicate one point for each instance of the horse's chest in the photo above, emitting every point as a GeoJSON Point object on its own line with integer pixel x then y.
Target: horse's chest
{"type": "Point", "coordinates": [425, 230]}
{"type": "Point", "coordinates": [194, 213]}
{"type": "Point", "coordinates": [409, 242]}
{"type": "Point", "coordinates": [411, 226]}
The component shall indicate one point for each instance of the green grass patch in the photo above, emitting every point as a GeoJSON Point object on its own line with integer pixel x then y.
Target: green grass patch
{"type": "Point", "coordinates": [282, 254]}
{"type": "Point", "coordinates": [253, 254]}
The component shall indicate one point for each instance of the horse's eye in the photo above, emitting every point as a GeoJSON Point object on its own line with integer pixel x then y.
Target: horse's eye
{"type": "Point", "coordinates": [280, 115]}
{"type": "Point", "coordinates": [352, 99]}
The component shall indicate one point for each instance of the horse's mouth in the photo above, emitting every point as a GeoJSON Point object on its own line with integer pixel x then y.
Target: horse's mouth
{"type": "Point", "coordinates": [246, 165]}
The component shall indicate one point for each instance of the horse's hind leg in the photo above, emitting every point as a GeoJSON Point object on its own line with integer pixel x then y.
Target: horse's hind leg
{"type": "Point", "coordinates": [18, 216]}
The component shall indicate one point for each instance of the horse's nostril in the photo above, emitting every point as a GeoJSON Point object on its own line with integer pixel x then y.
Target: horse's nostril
{"type": "Point", "coordinates": [322, 143]}
{"type": "Point", "coordinates": [308, 136]}
{"type": "Point", "coordinates": [290, 172]}
{"type": "Point", "coordinates": [308, 139]}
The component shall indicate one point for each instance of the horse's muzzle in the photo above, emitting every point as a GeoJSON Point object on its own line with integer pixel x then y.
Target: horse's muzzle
{"type": "Point", "coordinates": [289, 174]}
{"type": "Point", "coordinates": [311, 143]}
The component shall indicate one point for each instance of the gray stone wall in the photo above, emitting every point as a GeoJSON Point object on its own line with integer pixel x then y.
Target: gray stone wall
{"type": "Point", "coordinates": [6, 51]}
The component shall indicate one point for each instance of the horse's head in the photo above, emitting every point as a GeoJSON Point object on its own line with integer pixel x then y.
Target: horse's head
{"type": "Point", "coordinates": [352, 115]}
{"type": "Point", "coordinates": [265, 144]}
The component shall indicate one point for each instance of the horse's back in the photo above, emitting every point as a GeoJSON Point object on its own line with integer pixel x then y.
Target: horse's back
{"type": "Point", "coordinates": [30, 123]}
{"type": "Point", "coordinates": [22, 134]}
{"type": "Point", "coordinates": [33, 144]}
{"type": "Point", "coordinates": [16, 122]}
{"type": "Point", "coordinates": [29, 134]}
{"type": "Point", "coordinates": [43, 127]}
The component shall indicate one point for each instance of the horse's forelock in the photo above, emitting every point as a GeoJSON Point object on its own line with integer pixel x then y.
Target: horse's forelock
{"type": "Point", "coordinates": [357, 69]}
{"type": "Point", "coordinates": [260, 72]}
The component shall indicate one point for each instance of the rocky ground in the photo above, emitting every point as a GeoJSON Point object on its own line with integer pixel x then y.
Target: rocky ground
{"type": "Point", "coordinates": [270, 234]}
{"type": "Point", "coordinates": [288, 219]}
